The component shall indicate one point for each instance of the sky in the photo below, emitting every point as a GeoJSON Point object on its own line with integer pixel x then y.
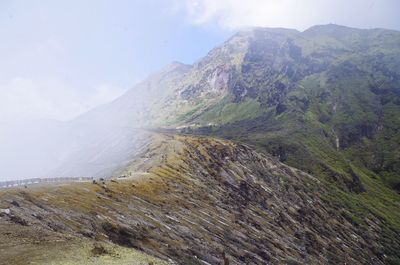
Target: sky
{"type": "Point", "coordinates": [62, 58]}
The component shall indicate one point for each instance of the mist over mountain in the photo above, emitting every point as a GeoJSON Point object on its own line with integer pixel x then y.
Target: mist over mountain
{"type": "Point", "coordinates": [93, 144]}
{"type": "Point", "coordinates": [308, 170]}
{"type": "Point", "coordinates": [329, 89]}
{"type": "Point", "coordinates": [323, 100]}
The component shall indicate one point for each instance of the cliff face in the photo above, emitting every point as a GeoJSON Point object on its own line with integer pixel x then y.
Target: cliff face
{"type": "Point", "coordinates": [195, 200]}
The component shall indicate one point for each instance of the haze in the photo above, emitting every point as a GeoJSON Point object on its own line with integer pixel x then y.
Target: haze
{"type": "Point", "coordinates": [63, 58]}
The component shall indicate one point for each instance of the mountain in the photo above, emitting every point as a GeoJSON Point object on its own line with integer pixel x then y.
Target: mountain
{"type": "Point", "coordinates": [325, 102]}
{"type": "Point", "coordinates": [96, 143]}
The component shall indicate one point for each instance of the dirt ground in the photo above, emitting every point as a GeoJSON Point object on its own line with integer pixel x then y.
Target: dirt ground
{"type": "Point", "coordinates": [21, 245]}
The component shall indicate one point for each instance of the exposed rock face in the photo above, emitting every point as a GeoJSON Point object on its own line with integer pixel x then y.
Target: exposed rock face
{"type": "Point", "coordinates": [197, 200]}
{"type": "Point", "coordinates": [219, 79]}
{"type": "Point", "coordinates": [215, 83]}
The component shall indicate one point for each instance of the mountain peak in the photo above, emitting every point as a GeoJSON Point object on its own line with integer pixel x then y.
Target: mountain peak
{"type": "Point", "coordinates": [175, 65]}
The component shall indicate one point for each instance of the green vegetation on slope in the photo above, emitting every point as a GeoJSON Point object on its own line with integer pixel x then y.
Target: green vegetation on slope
{"type": "Point", "coordinates": [326, 101]}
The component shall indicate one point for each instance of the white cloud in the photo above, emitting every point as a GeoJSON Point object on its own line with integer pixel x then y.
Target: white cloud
{"type": "Point", "coordinates": [233, 14]}
{"type": "Point", "coordinates": [27, 99]}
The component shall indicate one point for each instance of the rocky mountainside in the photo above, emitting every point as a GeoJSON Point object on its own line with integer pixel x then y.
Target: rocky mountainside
{"type": "Point", "coordinates": [318, 99]}
{"type": "Point", "coordinates": [188, 200]}
{"type": "Point", "coordinates": [325, 101]}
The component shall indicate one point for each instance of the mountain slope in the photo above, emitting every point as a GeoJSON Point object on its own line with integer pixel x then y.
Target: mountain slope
{"type": "Point", "coordinates": [326, 101]}
{"type": "Point", "coordinates": [197, 200]}
{"type": "Point", "coordinates": [329, 86]}
{"type": "Point", "coordinates": [317, 99]}
{"type": "Point", "coordinates": [66, 149]}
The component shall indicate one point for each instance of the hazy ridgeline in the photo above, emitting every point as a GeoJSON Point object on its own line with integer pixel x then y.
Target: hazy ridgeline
{"type": "Point", "coordinates": [96, 143]}
{"type": "Point", "coordinates": [50, 149]}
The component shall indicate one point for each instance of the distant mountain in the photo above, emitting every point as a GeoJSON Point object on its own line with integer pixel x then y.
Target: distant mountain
{"type": "Point", "coordinates": [43, 149]}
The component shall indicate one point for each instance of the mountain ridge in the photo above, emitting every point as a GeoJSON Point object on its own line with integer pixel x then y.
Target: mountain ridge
{"type": "Point", "coordinates": [325, 101]}
{"type": "Point", "coordinates": [192, 200]}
